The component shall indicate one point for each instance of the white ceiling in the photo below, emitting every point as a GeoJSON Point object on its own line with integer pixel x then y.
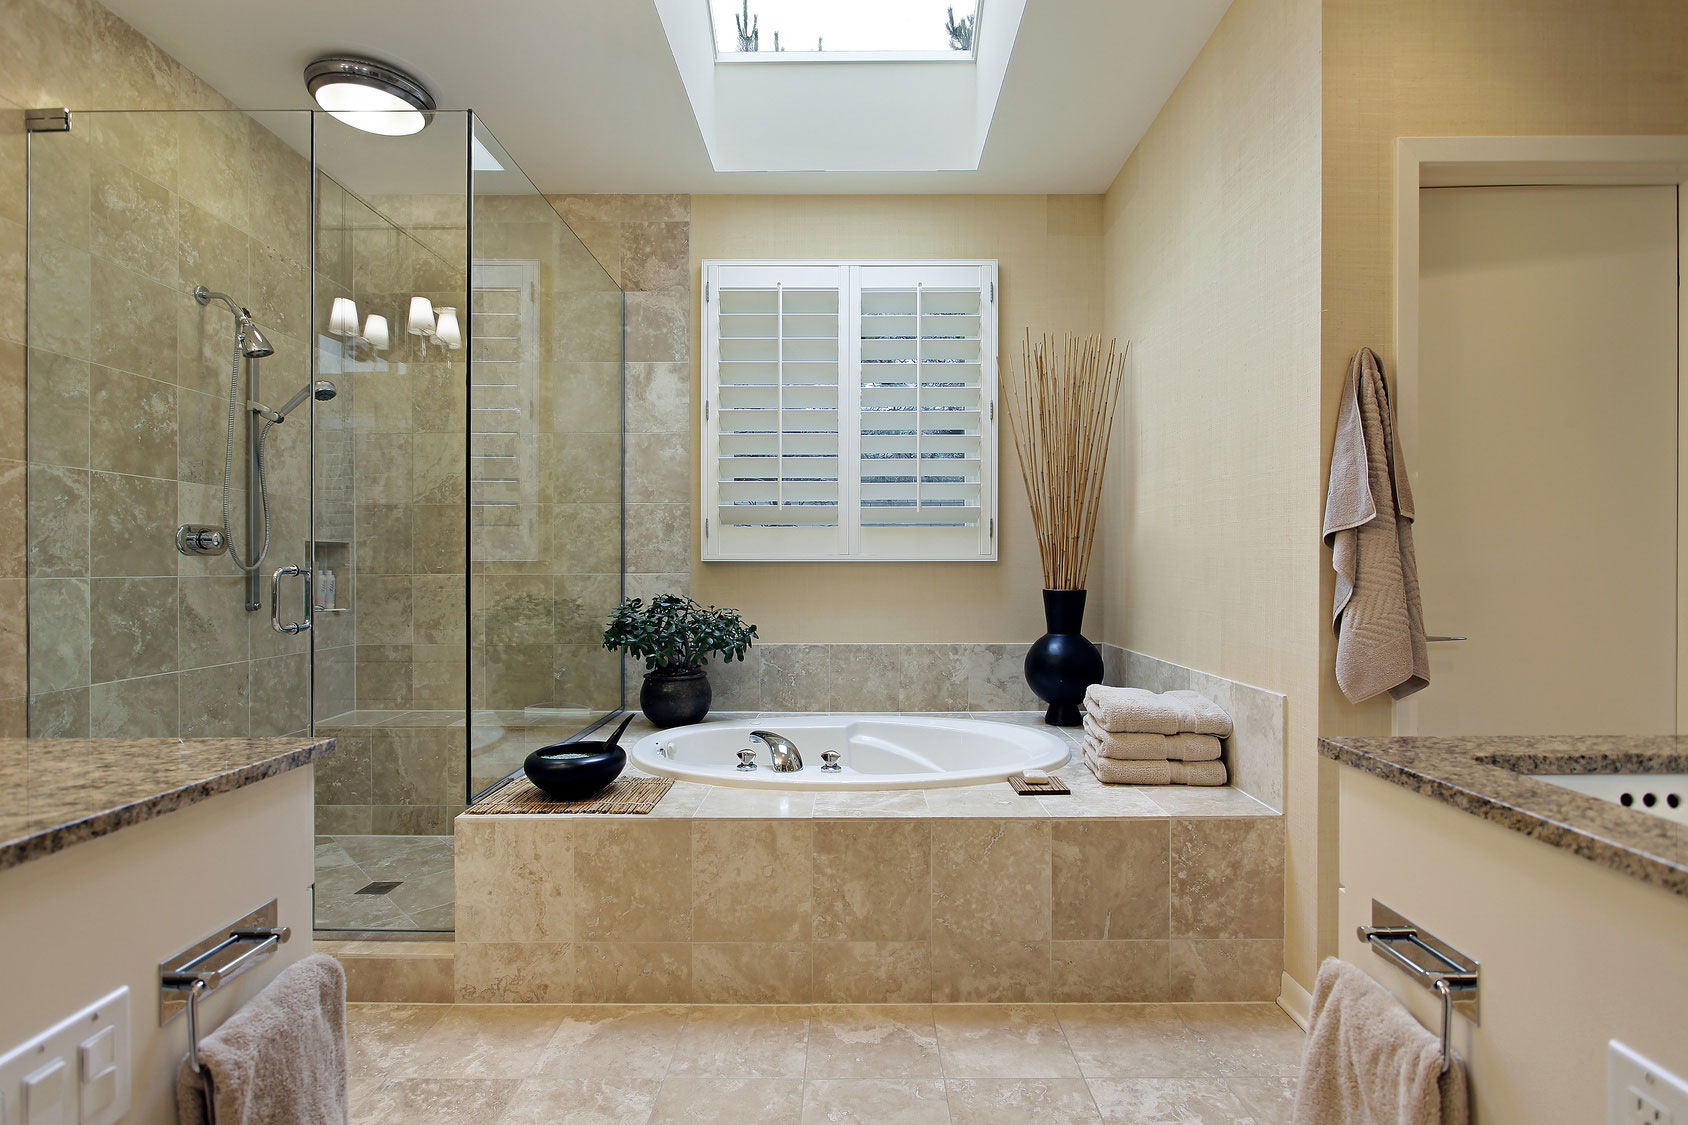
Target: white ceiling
{"type": "Point", "coordinates": [586, 95]}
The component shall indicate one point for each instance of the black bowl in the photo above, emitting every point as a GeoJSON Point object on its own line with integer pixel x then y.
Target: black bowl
{"type": "Point", "coordinates": [573, 771]}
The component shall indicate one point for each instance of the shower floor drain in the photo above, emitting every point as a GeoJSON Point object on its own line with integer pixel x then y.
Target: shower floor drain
{"type": "Point", "coordinates": [379, 888]}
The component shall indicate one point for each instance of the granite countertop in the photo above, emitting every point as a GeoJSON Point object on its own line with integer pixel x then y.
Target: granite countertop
{"type": "Point", "coordinates": [1489, 776]}
{"type": "Point", "coordinates": [59, 792]}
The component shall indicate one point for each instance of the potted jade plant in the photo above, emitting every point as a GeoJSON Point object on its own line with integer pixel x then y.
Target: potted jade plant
{"type": "Point", "coordinates": [675, 637]}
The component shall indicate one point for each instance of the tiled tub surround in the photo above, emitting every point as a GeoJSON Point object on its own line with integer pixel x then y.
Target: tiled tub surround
{"type": "Point", "coordinates": [1488, 776]}
{"type": "Point", "coordinates": [956, 895]}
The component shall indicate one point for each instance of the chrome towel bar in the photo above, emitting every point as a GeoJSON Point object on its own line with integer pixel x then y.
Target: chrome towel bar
{"type": "Point", "coordinates": [204, 967]}
{"type": "Point", "coordinates": [1428, 961]}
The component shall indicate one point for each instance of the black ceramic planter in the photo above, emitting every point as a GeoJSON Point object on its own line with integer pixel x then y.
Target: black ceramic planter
{"type": "Point", "coordinates": [675, 699]}
{"type": "Point", "coordinates": [1061, 663]}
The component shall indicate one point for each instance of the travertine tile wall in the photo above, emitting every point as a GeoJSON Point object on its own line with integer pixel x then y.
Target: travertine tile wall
{"type": "Point", "coordinates": [128, 415]}
{"type": "Point", "coordinates": [53, 52]}
{"type": "Point", "coordinates": [401, 569]}
{"type": "Point", "coordinates": [868, 910]}
{"type": "Point", "coordinates": [544, 588]}
{"type": "Point", "coordinates": [645, 242]}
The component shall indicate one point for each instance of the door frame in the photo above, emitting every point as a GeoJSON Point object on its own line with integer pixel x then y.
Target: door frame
{"type": "Point", "coordinates": [1431, 162]}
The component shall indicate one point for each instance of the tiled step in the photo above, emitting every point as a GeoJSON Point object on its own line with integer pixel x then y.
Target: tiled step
{"type": "Point", "coordinates": [410, 972]}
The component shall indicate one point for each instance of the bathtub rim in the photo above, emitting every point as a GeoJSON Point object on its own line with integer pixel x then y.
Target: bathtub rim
{"type": "Point", "coordinates": [1058, 752]}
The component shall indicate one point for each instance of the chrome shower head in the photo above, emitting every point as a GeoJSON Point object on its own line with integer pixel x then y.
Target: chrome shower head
{"type": "Point", "coordinates": [252, 342]}
{"type": "Point", "coordinates": [255, 346]}
{"type": "Point", "coordinates": [322, 390]}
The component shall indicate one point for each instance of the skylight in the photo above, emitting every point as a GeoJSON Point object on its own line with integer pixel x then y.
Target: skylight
{"type": "Point", "coordinates": [843, 30]}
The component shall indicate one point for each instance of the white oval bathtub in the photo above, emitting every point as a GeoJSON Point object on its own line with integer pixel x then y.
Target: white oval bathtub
{"type": "Point", "coordinates": [875, 752]}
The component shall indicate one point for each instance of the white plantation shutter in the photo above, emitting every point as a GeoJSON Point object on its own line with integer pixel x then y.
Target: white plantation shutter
{"type": "Point", "coordinates": [925, 413]}
{"type": "Point", "coordinates": [849, 410]}
{"type": "Point", "coordinates": [776, 350]}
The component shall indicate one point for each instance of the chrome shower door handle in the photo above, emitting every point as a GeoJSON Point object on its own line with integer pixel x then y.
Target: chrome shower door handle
{"type": "Point", "coordinates": [290, 627]}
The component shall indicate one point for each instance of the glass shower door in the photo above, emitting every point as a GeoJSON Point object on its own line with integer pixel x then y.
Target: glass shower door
{"type": "Point", "coordinates": [166, 291]}
{"type": "Point", "coordinates": [390, 294]}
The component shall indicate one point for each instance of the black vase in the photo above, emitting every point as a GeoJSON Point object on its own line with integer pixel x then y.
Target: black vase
{"type": "Point", "coordinates": [675, 699]}
{"type": "Point", "coordinates": [1061, 663]}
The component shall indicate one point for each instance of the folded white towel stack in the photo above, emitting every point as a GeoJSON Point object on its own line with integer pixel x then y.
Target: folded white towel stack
{"type": "Point", "coordinates": [1136, 737]}
{"type": "Point", "coordinates": [1125, 710]}
{"type": "Point", "coordinates": [1183, 747]}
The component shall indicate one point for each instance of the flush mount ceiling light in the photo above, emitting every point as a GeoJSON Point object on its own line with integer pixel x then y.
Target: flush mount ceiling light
{"type": "Point", "coordinates": [369, 95]}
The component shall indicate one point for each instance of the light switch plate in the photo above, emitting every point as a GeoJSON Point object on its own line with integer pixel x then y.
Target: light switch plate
{"type": "Point", "coordinates": [1641, 1092]}
{"type": "Point", "coordinates": [97, 1098]}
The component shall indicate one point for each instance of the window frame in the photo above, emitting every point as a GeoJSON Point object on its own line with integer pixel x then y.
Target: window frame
{"type": "Point", "coordinates": [882, 544]}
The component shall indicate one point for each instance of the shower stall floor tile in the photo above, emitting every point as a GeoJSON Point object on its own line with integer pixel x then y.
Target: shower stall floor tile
{"type": "Point", "coordinates": [414, 872]}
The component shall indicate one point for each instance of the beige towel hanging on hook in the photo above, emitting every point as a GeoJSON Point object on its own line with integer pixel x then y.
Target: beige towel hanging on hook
{"type": "Point", "coordinates": [1377, 615]}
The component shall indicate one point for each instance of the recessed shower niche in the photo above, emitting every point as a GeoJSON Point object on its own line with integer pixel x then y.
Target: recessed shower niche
{"type": "Point", "coordinates": [441, 523]}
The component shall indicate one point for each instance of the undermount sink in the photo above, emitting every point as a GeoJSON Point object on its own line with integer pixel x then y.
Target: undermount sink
{"type": "Point", "coordinates": [1662, 794]}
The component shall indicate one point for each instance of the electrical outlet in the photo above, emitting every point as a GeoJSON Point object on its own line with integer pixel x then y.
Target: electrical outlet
{"type": "Point", "coordinates": [1641, 1092]}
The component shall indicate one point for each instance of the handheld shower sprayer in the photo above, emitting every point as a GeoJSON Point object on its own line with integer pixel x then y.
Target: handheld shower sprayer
{"type": "Point", "coordinates": [322, 390]}
{"type": "Point", "coordinates": [250, 344]}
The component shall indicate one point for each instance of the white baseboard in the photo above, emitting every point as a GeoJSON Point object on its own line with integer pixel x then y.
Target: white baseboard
{"type": "Point", "coordinates": [1296, 1001]}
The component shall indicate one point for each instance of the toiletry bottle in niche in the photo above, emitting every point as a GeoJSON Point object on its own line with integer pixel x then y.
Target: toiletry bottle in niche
{"type": "Point", "coordinates": [325, 589]}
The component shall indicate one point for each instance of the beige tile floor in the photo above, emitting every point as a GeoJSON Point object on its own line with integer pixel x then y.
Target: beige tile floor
{"type": "Point", "coordinates": [415, 1064]}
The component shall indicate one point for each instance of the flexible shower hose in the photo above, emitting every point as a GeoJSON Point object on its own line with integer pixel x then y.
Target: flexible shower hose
{"type": "Point", "coordinates": [258, 464]}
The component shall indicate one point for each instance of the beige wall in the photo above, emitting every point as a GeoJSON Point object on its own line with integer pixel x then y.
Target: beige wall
{"type": "Point", "coordinates": [1050, 277]}
{"type": "Point", "coordinates": [1211, 237]}
{"type": "Point", "coordinates": [1475, 67]}
{"type": "Point", "coordinates": [1472, 68]}
{"type": "Point", "coordinates": [1539, 1053]}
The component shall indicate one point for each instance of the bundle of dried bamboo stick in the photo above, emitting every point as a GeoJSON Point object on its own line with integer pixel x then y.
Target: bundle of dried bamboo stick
{"type": "Point", "coordinates": [1060, 410]}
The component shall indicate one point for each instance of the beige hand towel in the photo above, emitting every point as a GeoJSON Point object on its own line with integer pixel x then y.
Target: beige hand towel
{"type": "Point", "coordinates": [1113, 771]}
{"type": "Point", "coordinates": [1369, 1062]}
{"type": "Point", "coordinates": [279, 1060]}
{"type": "Point", "coordinates": [1148, 747]}
{"type": "Point", "coordinates": [1124, 710]}
{"type": "Point", "coordinates": [1377, 614]}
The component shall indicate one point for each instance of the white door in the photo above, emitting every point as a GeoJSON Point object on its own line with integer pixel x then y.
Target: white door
{"type": "Point", "coordinates": [1544, 460]}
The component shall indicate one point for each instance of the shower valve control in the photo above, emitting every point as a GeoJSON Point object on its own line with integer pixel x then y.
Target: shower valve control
{"type": "Point", "coordinates": [195, 540]}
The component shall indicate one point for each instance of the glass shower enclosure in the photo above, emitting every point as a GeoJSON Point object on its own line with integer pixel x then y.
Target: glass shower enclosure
{"type": "Point", "coordinates": [324, 436]}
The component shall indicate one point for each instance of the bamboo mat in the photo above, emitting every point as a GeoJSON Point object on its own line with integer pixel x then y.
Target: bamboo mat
{"type": "Point", "coordinates": [623, 795]}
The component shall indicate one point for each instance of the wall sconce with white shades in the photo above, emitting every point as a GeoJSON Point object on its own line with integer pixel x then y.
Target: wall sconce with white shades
{"type": "Point", "coordinates": [443, 326]}
{"type": "Point", "coordinates": [343, 317]}
{"type": "Point", "coordinates": [447, 328]}
{"type": "Point", "coordinates": [375, 332]}
{"type": "Point", "coordinates": [421, 317]}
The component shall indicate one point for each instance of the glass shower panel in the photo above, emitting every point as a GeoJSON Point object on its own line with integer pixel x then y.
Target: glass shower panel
{"type": "Point", "coordinates": [544, 472]}
{"type": "Point", "coordinates": [129, 432]}
{"type": "Point", "coordinates": [391, 678]}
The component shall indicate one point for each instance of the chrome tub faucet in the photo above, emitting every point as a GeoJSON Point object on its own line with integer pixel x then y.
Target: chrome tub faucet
{"type": "Point", "coordinates": [781, 749]}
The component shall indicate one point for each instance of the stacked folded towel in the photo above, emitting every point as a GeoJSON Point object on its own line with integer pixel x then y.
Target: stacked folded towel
{"type": "Point", "coordinates": [1136, 737]}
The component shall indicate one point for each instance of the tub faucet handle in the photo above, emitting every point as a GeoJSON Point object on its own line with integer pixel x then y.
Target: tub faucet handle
{"type": "Point", "coordinates": [747, 759]}
{"type": "Point", "coordinates": [829, 761]}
